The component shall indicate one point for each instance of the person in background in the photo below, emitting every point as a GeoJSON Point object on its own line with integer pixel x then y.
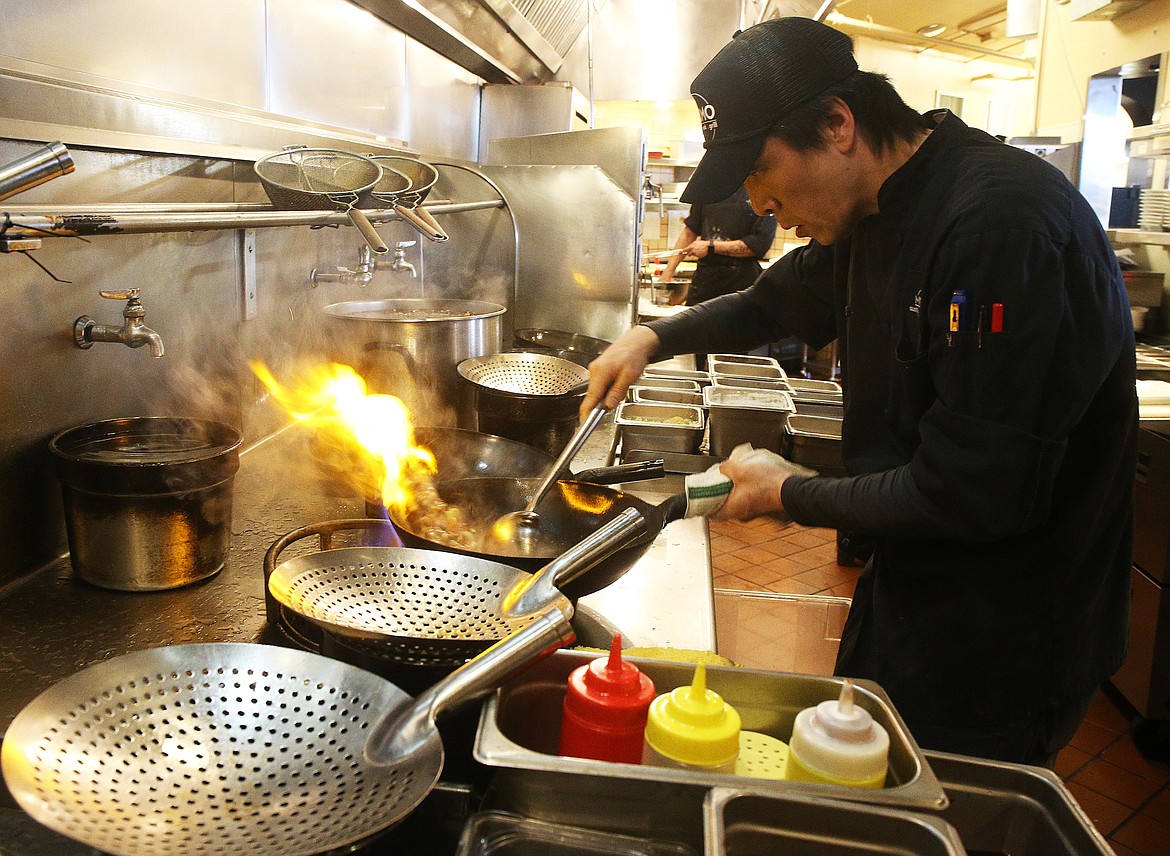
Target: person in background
{"type": "Point", "coordinates": [987, 359]}
{"type": "Point", "coordinates": [728, 239]}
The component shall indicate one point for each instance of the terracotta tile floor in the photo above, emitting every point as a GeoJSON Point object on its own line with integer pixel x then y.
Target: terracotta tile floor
{"type": "Point", "coordinates": [1125, 795]}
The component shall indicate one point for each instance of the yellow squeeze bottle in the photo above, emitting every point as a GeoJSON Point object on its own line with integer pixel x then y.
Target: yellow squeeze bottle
{"type": "Point", "coordinates": [838, 743]}
{"type": "Point", "coordinates": [692, 727]}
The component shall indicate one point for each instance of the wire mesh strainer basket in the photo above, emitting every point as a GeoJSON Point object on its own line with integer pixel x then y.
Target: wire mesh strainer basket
{"type": "Point", "coordinates": [525, 374]}
{"type": "Point", "coordinates": [531, 398]}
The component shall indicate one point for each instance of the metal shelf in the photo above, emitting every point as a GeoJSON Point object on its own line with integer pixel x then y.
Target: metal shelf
{"type": "Point", "coordinates": [1136, 236]}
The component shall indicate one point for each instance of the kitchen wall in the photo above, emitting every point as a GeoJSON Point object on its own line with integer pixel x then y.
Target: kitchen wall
{"type": "Point", "coordinates": [151, 77]}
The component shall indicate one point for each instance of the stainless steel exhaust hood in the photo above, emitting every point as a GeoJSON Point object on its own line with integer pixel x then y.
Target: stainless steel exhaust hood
{"type": "Point", "coordinates": [523, 41]}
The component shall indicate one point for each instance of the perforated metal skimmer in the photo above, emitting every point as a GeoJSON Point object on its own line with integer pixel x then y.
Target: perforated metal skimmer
{"type": "Point", "coordinates": [213, 748]}
{"type": "Point", "coordinates": [525, 374]}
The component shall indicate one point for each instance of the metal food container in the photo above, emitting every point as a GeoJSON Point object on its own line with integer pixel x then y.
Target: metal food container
{"type": "Point", "coordinates": [677, 384]}
{"type": "Point", "coordinates": [755, 416]}
{"type": "Point", "coordinates": [519, 732]}
{"type": "Point", "coordinates": [814, 441]}
{"type": "Point", "coordinates": [812, 386]}
{"type": "Point", "coordinates": [749, 370]}
{"type": "Point", "coordinates": [751, 382]}
{"type": "Point", "coordinates": [497, 833]}
{"type": "Point", "coordinates": [740, 823]}
{"type": "Point", "coordinates": [661, 427]}
{"type": "Point", "coordinates": [1012, 808]}
{"type": "Point", "coordinates": [741, 360]}
{"type": "Point", "coordinates": [700, 377]}
{"type": "Point", "coordinates": [829, 410]}
{"type": "Point", "coordinates": [654, 395]}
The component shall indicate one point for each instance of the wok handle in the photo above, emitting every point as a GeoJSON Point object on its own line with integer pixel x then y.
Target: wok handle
{"type": "Point", "coordinates": [421, 226]}
{"type": "Point", "coordinates": [430, 220]}
{"type": "Point", "coordinates": [542, 588]}
{"type": "Point", "coordinates": [622, 473]}
{"type": "Point", "coordinates": [362, 223]}
{"type": "Point", "coordinates": [399, 734]}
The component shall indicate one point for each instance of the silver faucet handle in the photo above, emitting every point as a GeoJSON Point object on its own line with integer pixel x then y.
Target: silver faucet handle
{"type": "Point", "coordinates": [128, 294]}
{"type": "Point", "coordinates": [402, 245]}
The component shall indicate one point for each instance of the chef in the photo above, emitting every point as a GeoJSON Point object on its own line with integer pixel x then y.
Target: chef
{"type": "Point", "coordinates": [987, 359]}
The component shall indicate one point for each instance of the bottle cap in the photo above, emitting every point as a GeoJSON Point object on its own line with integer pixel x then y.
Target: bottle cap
{"type": "Point", "coordinates": [844, 720]}
{"type": "Point", "coordinates": [694, 725]}
{"type": "Point", "coordinates": [610, 690]}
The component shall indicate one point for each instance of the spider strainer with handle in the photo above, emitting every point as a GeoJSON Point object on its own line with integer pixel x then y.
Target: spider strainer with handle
{"type": "Point", "coordinates": [428, 607]}
{"type": "Point", "coordinates": [422, 177]}
{"type": "Point", "coordinates": [242, 748]}
{"type": "Point", "coordinates": [396, 190]}
{"type": "Point", "coordinates": [525, 373]}
{"type": "Point", "coordinates": [304, 179]}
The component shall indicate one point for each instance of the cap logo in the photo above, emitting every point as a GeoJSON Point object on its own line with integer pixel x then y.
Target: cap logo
{"type": "Point", "coordinates": [707, 114]}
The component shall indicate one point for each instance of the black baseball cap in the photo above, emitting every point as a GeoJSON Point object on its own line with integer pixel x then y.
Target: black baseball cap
{"type": "Point", "coordinates": [763, 73]}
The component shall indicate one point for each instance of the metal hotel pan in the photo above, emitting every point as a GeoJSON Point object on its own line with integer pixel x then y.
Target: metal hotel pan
{"type": "Point", "coordinates": [304, 179]}
{"type": "Point", "coordinates": [391, 189]}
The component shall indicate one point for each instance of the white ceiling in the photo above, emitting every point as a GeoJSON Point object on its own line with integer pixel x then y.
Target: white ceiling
{"type": "Point", "coordinates": [976, 24]}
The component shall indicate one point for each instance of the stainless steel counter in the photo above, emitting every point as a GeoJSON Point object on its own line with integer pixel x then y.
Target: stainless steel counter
{"type": "Point", "coordinates": [52, 625]}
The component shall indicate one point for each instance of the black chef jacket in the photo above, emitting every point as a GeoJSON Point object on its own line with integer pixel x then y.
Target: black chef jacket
{"type": "Point", "coordinates": [995, 469]}
{"type": "Point", "coordinates": [730, 220]}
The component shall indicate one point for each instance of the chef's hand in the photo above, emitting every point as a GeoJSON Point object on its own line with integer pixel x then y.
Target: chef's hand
{"type": "Point", "coordinates": [699, 249]}
{"type": "Point", "coordinates": [757, 475]}
{"type": "Point", "coordinates": [619, 365]}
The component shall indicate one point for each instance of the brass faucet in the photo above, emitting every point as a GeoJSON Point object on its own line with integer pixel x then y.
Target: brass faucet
{"type": "Point", "coordinates": [133, 333]}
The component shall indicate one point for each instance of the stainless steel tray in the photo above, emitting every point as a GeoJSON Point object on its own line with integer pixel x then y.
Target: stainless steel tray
{"type": "Point", "coordinates": [739, 823]}
{"type": "Point", "coordinates": [519, 730]}
{"type": "Point", "coordinates": [1012, 808]}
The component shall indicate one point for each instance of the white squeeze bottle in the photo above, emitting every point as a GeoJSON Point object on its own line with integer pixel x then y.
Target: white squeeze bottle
{"type": "Point", "coordinates": [838, 743]}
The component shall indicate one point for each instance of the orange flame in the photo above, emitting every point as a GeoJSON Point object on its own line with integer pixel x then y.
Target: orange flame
{"type": "Point", "coordinates": [335, 403]}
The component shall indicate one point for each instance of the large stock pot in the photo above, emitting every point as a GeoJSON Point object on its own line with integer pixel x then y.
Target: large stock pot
{"type": "Point", "coordinates": [410, 347]}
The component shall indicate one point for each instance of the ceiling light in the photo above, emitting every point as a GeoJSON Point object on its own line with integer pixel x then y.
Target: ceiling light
{"type": "Point", "coordinates": [932, 30]}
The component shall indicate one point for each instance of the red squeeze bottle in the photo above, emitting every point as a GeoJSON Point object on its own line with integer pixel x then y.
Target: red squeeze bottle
{"type": "Point", "coordinates": [604, 716]}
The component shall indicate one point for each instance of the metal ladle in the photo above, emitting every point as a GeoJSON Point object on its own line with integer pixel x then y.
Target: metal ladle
{"type": "Point", "coordinates": [519, 531]}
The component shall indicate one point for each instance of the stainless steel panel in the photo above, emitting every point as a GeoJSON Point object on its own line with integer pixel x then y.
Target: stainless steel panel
{"type": "Point", "coordinates": [443, 106]}
{"type": "Point", "coordinates": [620, 152]}
{"type": "Point", "coordinates": [330, 61]}
{"type": "Point", "coordinates": [211, 50]}
{"type": "Point", "coordinates": [514, 111]}
{"type": "Point", "coordinates": [651, 51]}
{"type": "Point", "coordinates": [577, 259]}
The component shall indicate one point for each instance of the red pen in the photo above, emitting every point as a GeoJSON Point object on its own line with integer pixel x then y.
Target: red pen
{"type": "Point", "coordinates": [997, 318]}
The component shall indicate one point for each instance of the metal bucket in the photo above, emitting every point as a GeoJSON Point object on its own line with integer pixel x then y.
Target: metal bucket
{"type": "Point", "coordinates": [431, 337]}
{"type": "Point", "coordinates": [148, 500]}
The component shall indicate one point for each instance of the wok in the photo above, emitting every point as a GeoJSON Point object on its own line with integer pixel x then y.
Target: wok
{"type": "Point", "coordinates": [570, 512]}
{"type": "Point", "coordinates": [460, 454]}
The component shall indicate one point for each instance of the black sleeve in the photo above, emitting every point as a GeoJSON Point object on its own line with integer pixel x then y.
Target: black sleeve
{"type": "Point", "coordinates": [794, 297]}
{"type": "Point", "coordinates": [694, 220]}
{"type": "Point", "coordinates": [763, 232]}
